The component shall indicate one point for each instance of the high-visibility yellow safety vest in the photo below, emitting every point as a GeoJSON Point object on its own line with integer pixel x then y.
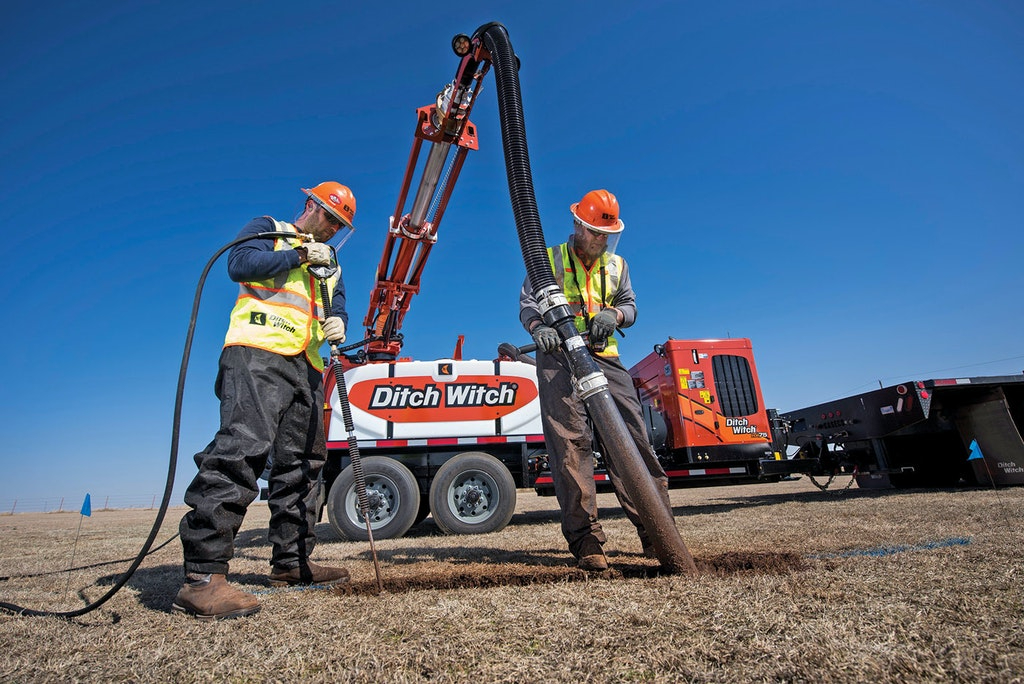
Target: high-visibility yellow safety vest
{"type": "Point", "coordinates": [281, 314]}
{"type": "Point", "coordinates": [588, 290]}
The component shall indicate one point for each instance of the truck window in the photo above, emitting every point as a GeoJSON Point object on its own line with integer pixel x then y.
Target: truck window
{"type": "Point", "coordinates": [734, 385]}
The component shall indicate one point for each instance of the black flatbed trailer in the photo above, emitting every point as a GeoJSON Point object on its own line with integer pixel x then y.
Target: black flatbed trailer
{"type": "Point", "coordinates": [921, 433]}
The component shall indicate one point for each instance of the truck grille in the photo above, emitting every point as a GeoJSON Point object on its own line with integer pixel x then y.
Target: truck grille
{"type": "Point", "coordinates": [735, 385]}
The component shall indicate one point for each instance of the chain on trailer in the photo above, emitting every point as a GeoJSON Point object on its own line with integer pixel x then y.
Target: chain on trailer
{"type": "Point", "coordinates": [831, 478]}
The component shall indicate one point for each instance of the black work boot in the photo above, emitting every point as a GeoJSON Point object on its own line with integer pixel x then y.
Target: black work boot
{"type": "Point", "coordinates": [214, 599]}
{"type": "Point", "coordinates": [308, 572]}
{"type": "Point", "coordinates": [591, 557]}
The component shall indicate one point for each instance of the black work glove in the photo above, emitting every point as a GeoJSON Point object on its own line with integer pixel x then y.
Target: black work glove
{"type": "Point", "coordinates": [603, 324]}
{"type": "Point", "coordinates": [546, 338]}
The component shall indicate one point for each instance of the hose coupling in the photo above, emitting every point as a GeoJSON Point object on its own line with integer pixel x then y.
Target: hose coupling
{"type": "Point", "coordinates": [592, 384]}
{"type": "Point", "coordinates": [549, 298]}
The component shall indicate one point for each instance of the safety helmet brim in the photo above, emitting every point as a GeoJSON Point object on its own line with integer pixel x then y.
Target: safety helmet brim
{"type": "Point", "coordinates": [326, 207]}
{"type": "Point", "coordinates": [613, 229]}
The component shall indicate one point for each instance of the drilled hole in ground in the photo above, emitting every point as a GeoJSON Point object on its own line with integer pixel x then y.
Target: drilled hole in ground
{"type": "Point", "coordinates": [433, 576]}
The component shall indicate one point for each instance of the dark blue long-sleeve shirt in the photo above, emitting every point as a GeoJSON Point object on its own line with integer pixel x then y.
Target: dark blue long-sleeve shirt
{"type": "Point", "coordinates": [256, 260]}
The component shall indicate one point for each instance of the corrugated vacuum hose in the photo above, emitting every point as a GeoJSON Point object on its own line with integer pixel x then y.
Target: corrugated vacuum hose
{"type": "Point", "coordinates": [592, 386]}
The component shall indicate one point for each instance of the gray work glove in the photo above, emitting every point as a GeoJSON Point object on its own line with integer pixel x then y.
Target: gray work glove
{"type": "Point", "coordinates": [317, 254]}
{"type": "Point", "coordinates": [603, 324]}
{"type": "Point", "coordinates": [334, 329]}
{"type": "Point", "coordinates": [546, 338]}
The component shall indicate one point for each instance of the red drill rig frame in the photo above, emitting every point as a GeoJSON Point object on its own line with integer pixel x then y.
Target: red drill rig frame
{"type": "Point", "coordinates": [443, 125]}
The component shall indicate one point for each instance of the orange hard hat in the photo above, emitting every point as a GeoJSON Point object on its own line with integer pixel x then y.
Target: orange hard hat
{"type": "Point", "coordinates": [598, 211]}
{"type": "Point", "coordinates": [336, 199]}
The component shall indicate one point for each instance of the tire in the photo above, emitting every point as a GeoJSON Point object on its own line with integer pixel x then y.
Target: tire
{"type": "Point", "coordinates": [472, 493]}
{"type": "Point", "coordinates": [393, 496]}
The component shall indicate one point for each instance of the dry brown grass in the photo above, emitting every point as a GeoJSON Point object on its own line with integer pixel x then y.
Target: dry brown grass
{"type": "Point", "coordinates": [787, 592]}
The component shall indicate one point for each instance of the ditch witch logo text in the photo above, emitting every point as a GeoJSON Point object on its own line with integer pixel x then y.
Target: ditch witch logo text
{"type": "Point", "coordinates": [259, 318]}
{"type": "Point", "coordinates": [422, 399]}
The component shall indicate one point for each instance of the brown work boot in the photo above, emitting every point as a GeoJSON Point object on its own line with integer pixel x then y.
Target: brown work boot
{"type": "Point", "coordinates": [308, 573]}
{"type": "Point", "coordinates": [214, 599]}
{"type": "Point", "coordinates": [591, 557]}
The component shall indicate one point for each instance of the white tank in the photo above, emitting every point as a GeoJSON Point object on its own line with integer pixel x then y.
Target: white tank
{"type": "Point", "coordinates": [438, 399]}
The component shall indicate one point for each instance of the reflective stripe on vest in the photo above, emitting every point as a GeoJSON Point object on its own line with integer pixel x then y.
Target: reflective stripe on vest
{"type": "Point", "coordinates": [281, 314]}
{"type": "Point", "coordinates": [585, 288]}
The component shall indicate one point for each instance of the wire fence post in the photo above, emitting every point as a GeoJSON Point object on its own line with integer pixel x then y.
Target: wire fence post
{"type": "Point", "coordinates": [59, 504]}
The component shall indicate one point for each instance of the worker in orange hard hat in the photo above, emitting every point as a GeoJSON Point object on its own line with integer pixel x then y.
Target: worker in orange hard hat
{"type": "Point", "coordinates": [597, 224]}
{"type": "Point", "coordinates": [270, 386]}
{"type": "Point", "coordinates": [596, 283]}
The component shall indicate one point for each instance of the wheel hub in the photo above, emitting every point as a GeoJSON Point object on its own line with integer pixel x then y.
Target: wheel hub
{"type": "Point", "coordinates": [374, 500]}
{"type": "Point", "coordinates": [470, 498]}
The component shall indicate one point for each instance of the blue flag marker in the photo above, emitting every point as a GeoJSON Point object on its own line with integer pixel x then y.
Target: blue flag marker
{"type": "Point", "coordinates": [975, 451]}
{"type": "Point", "coordinates": [87, 506]}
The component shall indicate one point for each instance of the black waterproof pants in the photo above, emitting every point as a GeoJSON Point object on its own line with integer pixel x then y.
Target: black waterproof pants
{"type": "Point", "coordinates": [269, 404]}
{"type": "Point", "coordinates": [571, 443]}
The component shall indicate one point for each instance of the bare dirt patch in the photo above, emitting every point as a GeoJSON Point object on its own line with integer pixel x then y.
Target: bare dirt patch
{"type": "Point", "coordinates": [440, 576]}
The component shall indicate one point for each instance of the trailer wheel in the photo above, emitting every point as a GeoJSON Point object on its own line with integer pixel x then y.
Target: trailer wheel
{"type": "Point", "coordinates": [472, 493]}
{"type": "Point", "coordinates": [392, 494]}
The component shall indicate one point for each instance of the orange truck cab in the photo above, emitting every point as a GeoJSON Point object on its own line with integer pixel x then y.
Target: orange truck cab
{"type": "Point", "coordinates": [705, 412]}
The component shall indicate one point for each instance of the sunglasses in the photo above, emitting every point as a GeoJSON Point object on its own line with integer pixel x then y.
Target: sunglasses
{"type": "Point", "coordinates": [331, 218]}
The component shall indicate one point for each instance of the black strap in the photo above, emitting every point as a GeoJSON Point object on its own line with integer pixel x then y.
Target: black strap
{"type": "Point", "coordinates": [576, 279]}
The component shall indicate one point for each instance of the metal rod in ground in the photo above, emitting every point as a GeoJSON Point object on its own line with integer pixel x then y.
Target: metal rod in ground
{"type": "Point", "coordinates": [995, 489]}
{"type": "Point", "coordinates": [74, 550]}
{"type": "Point", "coordinates": [321, 275]}
{"type": "Point", "coordinates": [360, 482]}
{"type": "Point", "coordinates": [373, 552]}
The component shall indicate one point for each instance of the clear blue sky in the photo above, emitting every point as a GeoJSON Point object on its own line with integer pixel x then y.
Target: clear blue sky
{"type": "Point", "coordinates": [841, 182]}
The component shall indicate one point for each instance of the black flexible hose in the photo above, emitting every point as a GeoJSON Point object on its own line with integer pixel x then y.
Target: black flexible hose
{"type": "Point", "coordinates": [7, 578]}
{"type": "Point", "coordinates": [173, 461]}
{"type": "Point", "coordinates": [517, 156]}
